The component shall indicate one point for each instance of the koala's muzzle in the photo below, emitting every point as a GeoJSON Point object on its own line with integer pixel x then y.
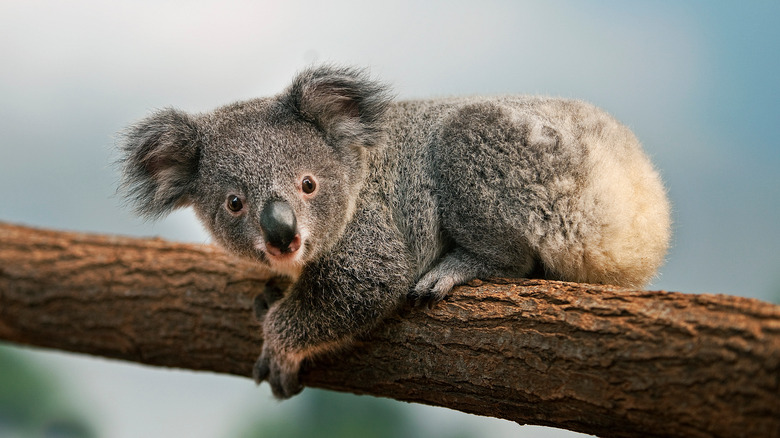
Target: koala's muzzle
{"type": "Point", "coordinates": [279, 228]}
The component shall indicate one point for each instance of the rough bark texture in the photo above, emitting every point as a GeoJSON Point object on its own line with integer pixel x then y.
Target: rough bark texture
{"type": "Point", "coordinates": [594, 359]}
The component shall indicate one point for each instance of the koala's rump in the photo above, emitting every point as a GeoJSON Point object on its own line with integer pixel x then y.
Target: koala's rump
{"type": "Point", "coordinates": [554, 180]}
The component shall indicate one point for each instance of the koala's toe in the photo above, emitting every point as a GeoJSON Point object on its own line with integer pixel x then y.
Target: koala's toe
{"type": "Point", "coordinates": [284, 385]}
{"type": "Point", "coordinates": [280, 371]}
{"type": "Point", "coordinates": [291, 384]}
{"type": "Point", "coordinates": [261, 369]}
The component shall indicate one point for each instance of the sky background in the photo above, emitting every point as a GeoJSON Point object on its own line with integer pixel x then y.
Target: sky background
{"type": "Point", "coordinates": [697, 81]}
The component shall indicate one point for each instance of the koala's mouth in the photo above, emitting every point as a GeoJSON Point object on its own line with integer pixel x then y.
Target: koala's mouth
{"type": "Point", "coordinates": [287, 259]}
{"type": "Point", "coordinates": [288, 250]}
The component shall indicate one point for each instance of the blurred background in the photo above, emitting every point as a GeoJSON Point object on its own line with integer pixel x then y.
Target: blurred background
{"type": "Point", "coordinates": [697, 81]}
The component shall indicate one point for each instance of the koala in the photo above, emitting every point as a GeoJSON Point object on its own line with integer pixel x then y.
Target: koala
{"type": "Point", "coordinates": [366, 202]}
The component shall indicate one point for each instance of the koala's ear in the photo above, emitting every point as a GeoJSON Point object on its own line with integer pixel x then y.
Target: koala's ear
{"type": "Point", "coordinates": [160, 156]}
{"type": "Point", "coordinates": [345, 103]}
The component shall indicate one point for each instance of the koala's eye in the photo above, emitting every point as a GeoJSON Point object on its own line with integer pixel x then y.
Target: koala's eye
{"type": "Point", "coordinates": [308, 185]}
{"type": "Point", "coordinates": [234, 204]}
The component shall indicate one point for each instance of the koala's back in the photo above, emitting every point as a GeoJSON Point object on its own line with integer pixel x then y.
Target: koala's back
{"type": "Point", "coordinates": [520, 182]}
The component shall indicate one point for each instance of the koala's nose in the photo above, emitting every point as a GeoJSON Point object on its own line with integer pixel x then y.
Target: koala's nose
{"type": "Point", "coordinates": [279, 227]}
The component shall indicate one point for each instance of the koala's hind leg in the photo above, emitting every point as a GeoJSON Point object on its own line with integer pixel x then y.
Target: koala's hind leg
{"type": "Point", "coordinates": [486, 157]}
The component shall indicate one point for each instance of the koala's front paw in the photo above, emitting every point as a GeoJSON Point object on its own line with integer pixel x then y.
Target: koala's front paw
{"type": "Point", "coordinates": [281, 372]}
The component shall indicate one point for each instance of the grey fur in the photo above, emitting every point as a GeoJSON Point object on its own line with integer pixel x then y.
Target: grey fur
{"type": "Point", "coordinates": [412, 198]}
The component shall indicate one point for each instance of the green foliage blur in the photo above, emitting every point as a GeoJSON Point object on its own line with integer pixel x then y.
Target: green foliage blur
{"type": "Point", "coordinates": [328, 414]}
{"type": "Point", "coordinates": [32, 405]}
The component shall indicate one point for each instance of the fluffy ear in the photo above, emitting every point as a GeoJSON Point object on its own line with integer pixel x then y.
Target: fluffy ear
{"type": "Point", "coordinates": [343, 102]}
{"type": "Point", "coordinates": [159, 162]}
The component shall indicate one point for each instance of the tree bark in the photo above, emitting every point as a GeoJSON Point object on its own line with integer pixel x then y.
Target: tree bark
{"type": "Point", "coordinates": [593, 359]}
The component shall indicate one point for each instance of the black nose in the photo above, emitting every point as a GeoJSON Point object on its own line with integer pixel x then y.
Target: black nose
{"type": "Point", "coordinates": [279, 227]}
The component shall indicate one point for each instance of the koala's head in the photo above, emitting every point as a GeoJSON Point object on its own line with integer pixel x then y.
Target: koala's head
{"type": "Point", "coordinates": [273, 179]}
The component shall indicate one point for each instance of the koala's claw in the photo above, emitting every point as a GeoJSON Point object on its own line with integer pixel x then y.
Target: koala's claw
{"type": "Point", "coordinates": [283, 377]}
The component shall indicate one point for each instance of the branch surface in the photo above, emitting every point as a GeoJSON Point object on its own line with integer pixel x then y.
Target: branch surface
{"type": "Point", "coordinates": [594, 359]}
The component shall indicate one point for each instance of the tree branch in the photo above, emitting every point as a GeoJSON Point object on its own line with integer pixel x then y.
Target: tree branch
{"type": "Point", "coordinates": [593, 359]}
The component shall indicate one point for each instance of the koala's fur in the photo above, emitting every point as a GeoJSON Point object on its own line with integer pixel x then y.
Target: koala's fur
{"type": "Point", "coordinates": [412, 198]}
